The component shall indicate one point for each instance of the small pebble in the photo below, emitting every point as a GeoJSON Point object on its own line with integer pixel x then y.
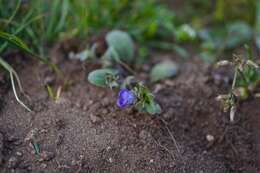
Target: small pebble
{"type": "Point", "coordinates": [210, 138]}
{"type": "Point", "coordinates": [18, 153]}
{"type": "Point", "coordinates": [44, 165]}
{"type": "Point", "coordinates": [110, 160]}
{"type": "Point", "coordinates": [108, 148]}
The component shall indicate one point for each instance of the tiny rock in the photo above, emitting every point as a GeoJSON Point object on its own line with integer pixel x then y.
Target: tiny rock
{"type": "Point", "coordinates": [18, 153]}
{"type": "Point", "coordinates": [110, 160]}
{"type": "Point", "coordinates": [210, 138]}
{"type": "Point", "coordinates": [43, 165]}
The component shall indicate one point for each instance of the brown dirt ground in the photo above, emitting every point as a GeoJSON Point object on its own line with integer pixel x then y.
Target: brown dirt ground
{"type": "Point", "coordinates": [85, 132]}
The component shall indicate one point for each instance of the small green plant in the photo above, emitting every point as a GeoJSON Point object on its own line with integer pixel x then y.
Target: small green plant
{"type": "Point", "coordinates": [15, 41]}
{"type": "Point", "coordinates": [131, 92]}
{"type": "Point", "coordinates": [7, 38]}
{"type": "Point", "coordinates": [117, 73]}
{"type": "Point", "coordinates": [246, 78]}
{"type": "Point", "coordinates": [52, 94]}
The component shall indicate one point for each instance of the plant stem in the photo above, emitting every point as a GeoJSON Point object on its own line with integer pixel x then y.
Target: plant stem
{"type": "Point", "coordinates": [243, 76]}
{"type": "Point", "coordinates": [235, 79]}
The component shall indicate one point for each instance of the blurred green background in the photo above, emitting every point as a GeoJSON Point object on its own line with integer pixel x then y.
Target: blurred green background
{"type": "Point", "coordinates": [211, 27]}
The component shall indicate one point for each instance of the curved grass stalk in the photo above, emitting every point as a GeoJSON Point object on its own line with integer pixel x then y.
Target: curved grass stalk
{"type": "Point", "coordinates": [13, 74]}
{"type": "Point", "coordinates": [15, 94]}
{"type": "Point", "coordinates": [13, 14]}
{"type": "Point", "coordinates": [12, 39]}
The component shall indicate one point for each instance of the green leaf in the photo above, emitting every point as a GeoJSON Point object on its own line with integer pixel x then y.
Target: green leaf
{"type": "Point", "coordinates": [163, 70]}
{"type": "Point", "coordinates": [99, 77]}
{"type": "Point", "coordinates": [122, 44]}
{"type": "Point", "coordinates": [239, 33]}
{"type": "Point", "coordinates": [83, 55]}
{"type": "Point", "coordinates": [14, 40]}
{"type": "Point", "coordinates": [185, 33]}
{"type": "Point", "coordinates": [208, 56]}
{"type": "Point", "coordinates": [153, 108]}
{"type": "Point", "coordinates": [257, 41]}
{"type": "Point", "coordinates": [36, 148]}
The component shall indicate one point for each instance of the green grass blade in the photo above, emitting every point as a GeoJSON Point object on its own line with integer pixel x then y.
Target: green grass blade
{"type": "Point", "coordinates": [13, 74]}
{"type": "Point", "coordinates": [12, 39]}
{"type": "Point", "coordinates": [13, 15]}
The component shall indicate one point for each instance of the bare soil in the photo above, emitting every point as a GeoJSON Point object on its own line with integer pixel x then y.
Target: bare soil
{"type": "Point", "coordinates": [85, 132]}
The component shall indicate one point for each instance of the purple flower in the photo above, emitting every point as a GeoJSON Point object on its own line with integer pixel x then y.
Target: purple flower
{"type": "Point", "coordinates": [125, 98]}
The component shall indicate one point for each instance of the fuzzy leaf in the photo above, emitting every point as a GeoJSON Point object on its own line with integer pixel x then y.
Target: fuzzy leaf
{"type": "Point", "coordinates": [163, 70]}
{"type": "Point", "coordinates": [153, 108]}
{"type": "Point", "coordinates": [98, 77]}
{"type": "Point", "coordinates": [257, 41]}
{"type": "Point", "coordinates": [122, 44]}
{"type": "Point", "coordinates": [185, 33]}
{"type": "Point", "coordinates": [14, 40]}
{"type": "Point", "coordinates": [239, 33]}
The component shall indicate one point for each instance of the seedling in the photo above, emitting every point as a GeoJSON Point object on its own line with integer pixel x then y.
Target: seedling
{"type": "Point", "coordinates": [131, 93]}
{"type": "Point", "coordinates": [36, 148]}
{"type": "Point", "coordinates": [120, 53]}
{"type": "Point", "coordinates": [54, 95]}
{"type": "Point", "coordinates": [244, 82]}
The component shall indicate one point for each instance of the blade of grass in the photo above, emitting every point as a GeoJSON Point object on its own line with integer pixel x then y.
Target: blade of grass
{"type": "Point", "coordinates": [50, 92]}
{"type": "Point", "coordinates": [20, 28]}
{"type": "Point", "coordinates": [13, 15]}
{"type": "Point", "coordinates": [12, 39]}
{"type": "Point", "coordinates": [15, 94]}
{"type": "Point", "coordinates": [9, 68]}
{"type": "Point", "coordinates": [13, 74]}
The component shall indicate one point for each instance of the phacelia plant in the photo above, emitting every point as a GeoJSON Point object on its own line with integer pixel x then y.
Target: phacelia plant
{"type": "Point", "coordinates": [116, 73]}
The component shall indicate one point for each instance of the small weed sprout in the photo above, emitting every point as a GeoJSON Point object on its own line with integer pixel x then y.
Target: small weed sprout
{"type": "Point", "coordinates": [54, 95]}
{"type": "Point", "coordinates": [115, 74]}
{"type": "Point", "coordinates": [244, 82]}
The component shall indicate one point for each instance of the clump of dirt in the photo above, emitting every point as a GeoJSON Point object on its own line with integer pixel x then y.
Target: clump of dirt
{"type": "Point", "coordinates": [84, 131]}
